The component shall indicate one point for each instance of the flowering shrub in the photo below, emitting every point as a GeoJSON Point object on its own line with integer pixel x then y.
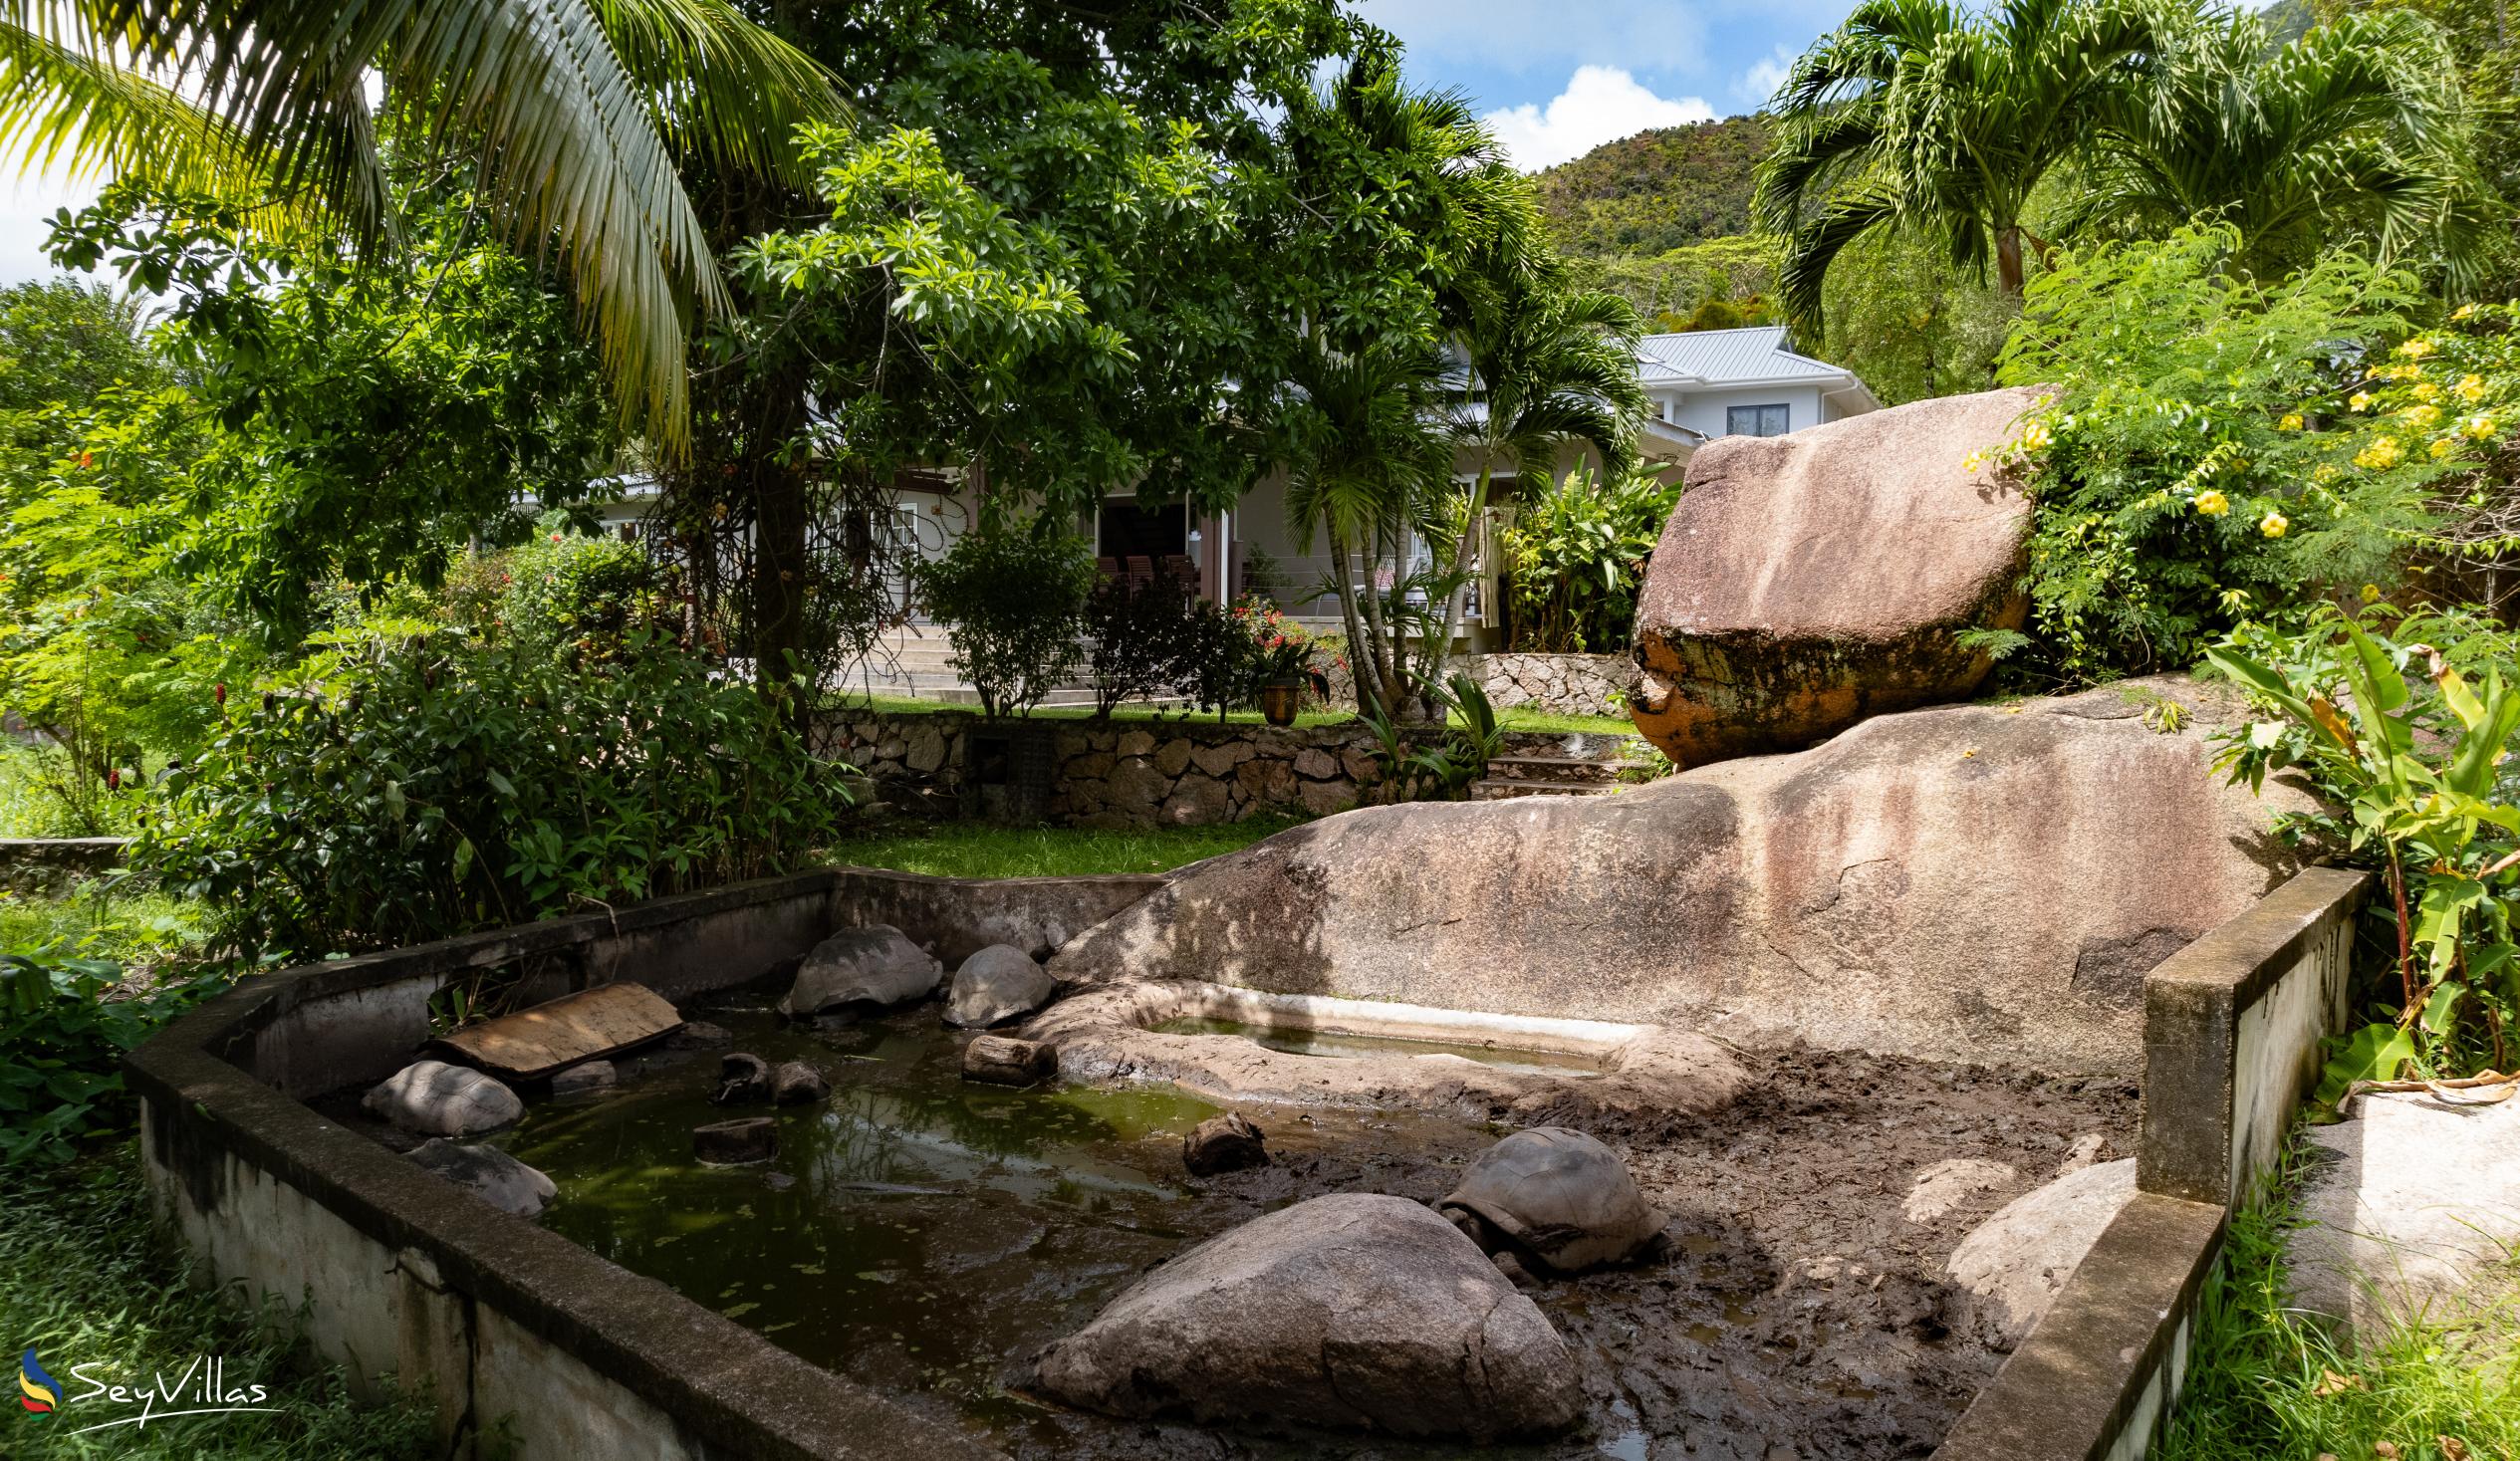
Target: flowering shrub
{"type": "Point", "coordinates": [2215, 448]}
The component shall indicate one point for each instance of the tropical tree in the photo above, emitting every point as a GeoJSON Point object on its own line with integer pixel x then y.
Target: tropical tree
{"type": "Point", "coordinates": [574, 114]}
{"type": "Point", "coordinates": [1934, 117]}
{"type": "Point", "coordinates": [1547, 364]}
{"type": "Point", "coordinates": [2359, 126]}
{"type": "Point", "coordinates": [1368, 461]}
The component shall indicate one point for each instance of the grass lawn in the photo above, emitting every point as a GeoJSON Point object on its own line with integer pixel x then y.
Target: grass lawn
{"type": "Point", "coordinates": [973, 850]}
{"type": "Point", "coordinates": [2265, 1382]}
{"type": "Point", "coordinates": [96, 920]}
{"type": "Point", "coordinates": [87, 1280]}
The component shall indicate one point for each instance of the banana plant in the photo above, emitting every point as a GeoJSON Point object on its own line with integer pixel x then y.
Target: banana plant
{"type": "Point", "coordinates": [2408, 748]}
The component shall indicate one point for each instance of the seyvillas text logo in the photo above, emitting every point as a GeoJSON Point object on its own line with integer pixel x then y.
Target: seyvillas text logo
{"type": "Point", "coordinates": [200, 1388]}
{"type": "Point", "coordinates": [36, 1391]}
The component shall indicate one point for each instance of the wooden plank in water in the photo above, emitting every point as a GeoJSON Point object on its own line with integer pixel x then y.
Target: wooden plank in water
{"type": "Point", "coordinates": [585, 1025]}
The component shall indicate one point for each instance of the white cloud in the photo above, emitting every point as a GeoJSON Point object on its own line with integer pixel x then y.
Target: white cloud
{"type": "Point", "coordinates": [1601, 103]}
{"type": "Point", "coordinates": [1764, 76]}
{"type": "Point", "coordinates": [26, 205]}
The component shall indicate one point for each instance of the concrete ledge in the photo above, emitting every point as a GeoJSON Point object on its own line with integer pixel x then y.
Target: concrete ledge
{"type": "Point", "coordinates": [2093, 1379]}
{"type": "Point", "coordinates": [2232, 1025]}
{"type": "Point", "coordinates": [2232, 1031]}
{"type": "Point", "coordinates": [406, 1280]}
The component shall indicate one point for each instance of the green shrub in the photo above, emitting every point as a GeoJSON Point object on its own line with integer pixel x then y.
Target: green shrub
{"type": "Point", "coordinates": [2203, 460]}
{"type": "Point", "coordinates": [64, 1029]}
{"type": "Point", "coordinates": [1011, 596]}
{"type": "Point", "coordinates": [1576, 553]}
{"type": "Point", "coordinates": [563, 590]}
{"type": "Point", "coordinates": [428, 786]}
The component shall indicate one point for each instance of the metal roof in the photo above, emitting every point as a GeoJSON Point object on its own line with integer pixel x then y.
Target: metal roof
{"type": "Point", "coordinates": [1717, 358]}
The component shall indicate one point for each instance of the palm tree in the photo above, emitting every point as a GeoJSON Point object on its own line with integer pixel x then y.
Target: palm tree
{"type": "Point", "coordinates": [576, 113]}
{"type": "Point", "coordinates": [1930, 115]}
{"type": "Point", "coordinates": [1547, 363]}
{"type": "Point", "coordinates": [2360, 125]}
{"type": "Point", "coordinates": [1368, 459]}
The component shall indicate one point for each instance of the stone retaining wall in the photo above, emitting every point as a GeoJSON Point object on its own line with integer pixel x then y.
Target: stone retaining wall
{"type": "Point", "coordinates": [1562, 684]}
{"type": "Point", "coordinates": [41, 865]}
{"type": "Point", "coordinates": [1174, 773]}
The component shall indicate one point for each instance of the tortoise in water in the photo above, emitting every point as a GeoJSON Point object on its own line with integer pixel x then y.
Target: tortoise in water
{"type": "Point", "coordinates": [1558, 1196]}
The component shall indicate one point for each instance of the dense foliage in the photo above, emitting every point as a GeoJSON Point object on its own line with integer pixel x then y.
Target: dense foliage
{"type": "Point", "coordinates": [1576, 556]}
{"type": "Point", "coordinates": [424, 787]}
{"type": "Point", "coordinates": [1656, 192]}
{"type": "Point", "coordinates": [2206, 458]}
{"type": "Point", "coordinates": [2404, 723]}
{"type": "Point", "coordinates": [1012, 597]}
{"type": "Point", "coordinates": [64, 1030]}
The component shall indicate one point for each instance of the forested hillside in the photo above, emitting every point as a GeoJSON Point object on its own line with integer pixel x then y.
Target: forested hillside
{"type": "Point", "coordinates": [1657, 190]}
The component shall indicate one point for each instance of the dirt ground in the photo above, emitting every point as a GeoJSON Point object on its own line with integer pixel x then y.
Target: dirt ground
{"type": "Point", "coordinates": [927, 1237]}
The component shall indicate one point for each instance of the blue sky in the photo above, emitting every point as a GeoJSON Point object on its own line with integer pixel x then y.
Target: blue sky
{"type": "Point", "coordinates": [1557, 78]}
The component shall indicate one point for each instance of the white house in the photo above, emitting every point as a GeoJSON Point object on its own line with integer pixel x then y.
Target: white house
{"type": "Point", "coordinates": [1702, 385]}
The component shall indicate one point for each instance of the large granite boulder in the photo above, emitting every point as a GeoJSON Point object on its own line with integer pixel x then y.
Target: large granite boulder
{"type": "Point", "coordinates": [2410, 1208]}
{"type": "Point", "coordinates": [1974, 883]}
{"type": "Point", "coordinates": [1808, 581]}
{"type": "Point", "coordinates": [858, 970]}
{"type": "Point", "coordinates": [1355, 1309]}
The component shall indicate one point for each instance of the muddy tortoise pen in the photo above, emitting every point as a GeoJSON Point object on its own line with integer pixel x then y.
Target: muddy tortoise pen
{"type": "Point", "coordinates": [905, 1261]}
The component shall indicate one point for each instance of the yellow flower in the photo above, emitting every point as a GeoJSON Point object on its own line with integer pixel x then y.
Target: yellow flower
{"type": "Point", "coordinates": [2380, 455]}
{"type": "Point", "coordinates": [2035, 437]}
{"type": "Point", "coordinates": [2328, 472]}
{"type": "Point", "coordinates": [2442, 446]}
{"type": "Point", "coordinates": [2464, 311]}
{"type": "Point", "coordinates": [2420, 416]}
{"type": "Point", "coordinates": [2415, 348]}
{"type": "Point", "coordinates": [2370, 593]}
{"type": "Point", "coordinates": [2428, 392]}
{"type": "Point", "coordinates": [2212, 504]}
{"type": "Point", "coordinates": [2472, 389]}
{"type": "Point", "coordinates": [2478, 426]}
{"type": "Point", "coordinates": [2362, 401]}
{"type": "Point", "coordinates": [2273, 525]}
{"type": "Point", "coordinates": [2289, 424]}
{"type": "Point", "coordinates": [1972, 462]}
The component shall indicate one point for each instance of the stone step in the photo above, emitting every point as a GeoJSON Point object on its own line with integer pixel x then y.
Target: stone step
{"type": "Point", "coordinates": [1502, 788]}
{"type": "Point", "coordinates": [1567, 769]}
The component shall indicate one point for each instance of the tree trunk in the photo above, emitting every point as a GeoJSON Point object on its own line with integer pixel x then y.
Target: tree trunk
{"type": "Point", "coordinates": [1453, 603]}
{"type": "Point", "coordinates": [2008, 261]}
{"type": "Point", "coordinates": [1360, 648]}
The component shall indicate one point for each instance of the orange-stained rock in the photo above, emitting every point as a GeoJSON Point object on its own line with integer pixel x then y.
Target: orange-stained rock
{"type": "Point", "coordinates": [1806, 582]}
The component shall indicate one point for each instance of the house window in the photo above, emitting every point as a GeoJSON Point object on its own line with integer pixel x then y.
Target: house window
{"type": "Point", "coordinates": [1757, 420]}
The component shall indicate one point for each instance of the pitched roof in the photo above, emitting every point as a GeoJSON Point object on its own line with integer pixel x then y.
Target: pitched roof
{"type": "Point", "coordinates": [1714, 358]}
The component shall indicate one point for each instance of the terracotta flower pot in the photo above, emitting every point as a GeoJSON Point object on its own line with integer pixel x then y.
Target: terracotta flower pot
{"type": "Point", "coordinates": [1280, 700]}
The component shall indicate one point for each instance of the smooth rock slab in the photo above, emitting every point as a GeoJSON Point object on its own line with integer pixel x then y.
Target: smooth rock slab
{"type": "Point", "coordinates": [736, 1143]}
{"type": "Point", "coordinates": [490, 1174]}
{"type": "Point", "coordinates": [861, 968]}
{"type": "Point", "coordinates": [1356, 1310]}
{"type": "Point", "coordinates": [2410, 1206]}
{"type": "Point", "coordinates": [435, 1099]}
{"type": "Point", "coordinates": [995, 985]}
{"type": "Point", "coordinates": [1947, 1184]}
{"type": "Point", "coordinates": [2013, 1265]}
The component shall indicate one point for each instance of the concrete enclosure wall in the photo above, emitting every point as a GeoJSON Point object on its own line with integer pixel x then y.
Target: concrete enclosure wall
{"type": "Point", "coordinates": [406, 1279]}
{"type": "Point", "coordinates": [2232, 1030]}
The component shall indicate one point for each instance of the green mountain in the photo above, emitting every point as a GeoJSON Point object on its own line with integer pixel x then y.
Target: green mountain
{"type": "Point", "coordinates": [1657, 190]}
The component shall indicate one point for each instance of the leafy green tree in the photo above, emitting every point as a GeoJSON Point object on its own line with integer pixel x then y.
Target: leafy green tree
{"type": "Point", "coordinates": [1012, 596]}
{"type": "Point", "coordinates": [348, 423]}
{"type": "Point", "coordinates": [2208, 456]}
{"type": "Point", "coordinates": [1576, 557]}
{"type": "Point", "coordinates": [1931, 117]}
{"type": "Point", "coordinates": [572, 116]}
{"type": "Point", "coordinates": [1656, 192]}
{"type": "Point", "coordinates": [64, 342]}
{"type": "Point", "coordinates": [2356, 129]}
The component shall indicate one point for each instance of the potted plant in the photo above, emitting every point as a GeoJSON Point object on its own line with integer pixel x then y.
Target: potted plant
{"type": "Point", "coordinates": [1283, 666]}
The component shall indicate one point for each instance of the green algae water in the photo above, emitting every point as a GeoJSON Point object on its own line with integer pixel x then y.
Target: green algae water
{"type": "Point", "coordinates": [1334, 1045]}
{"type": "Point", "coordinates": [923, 1234]}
